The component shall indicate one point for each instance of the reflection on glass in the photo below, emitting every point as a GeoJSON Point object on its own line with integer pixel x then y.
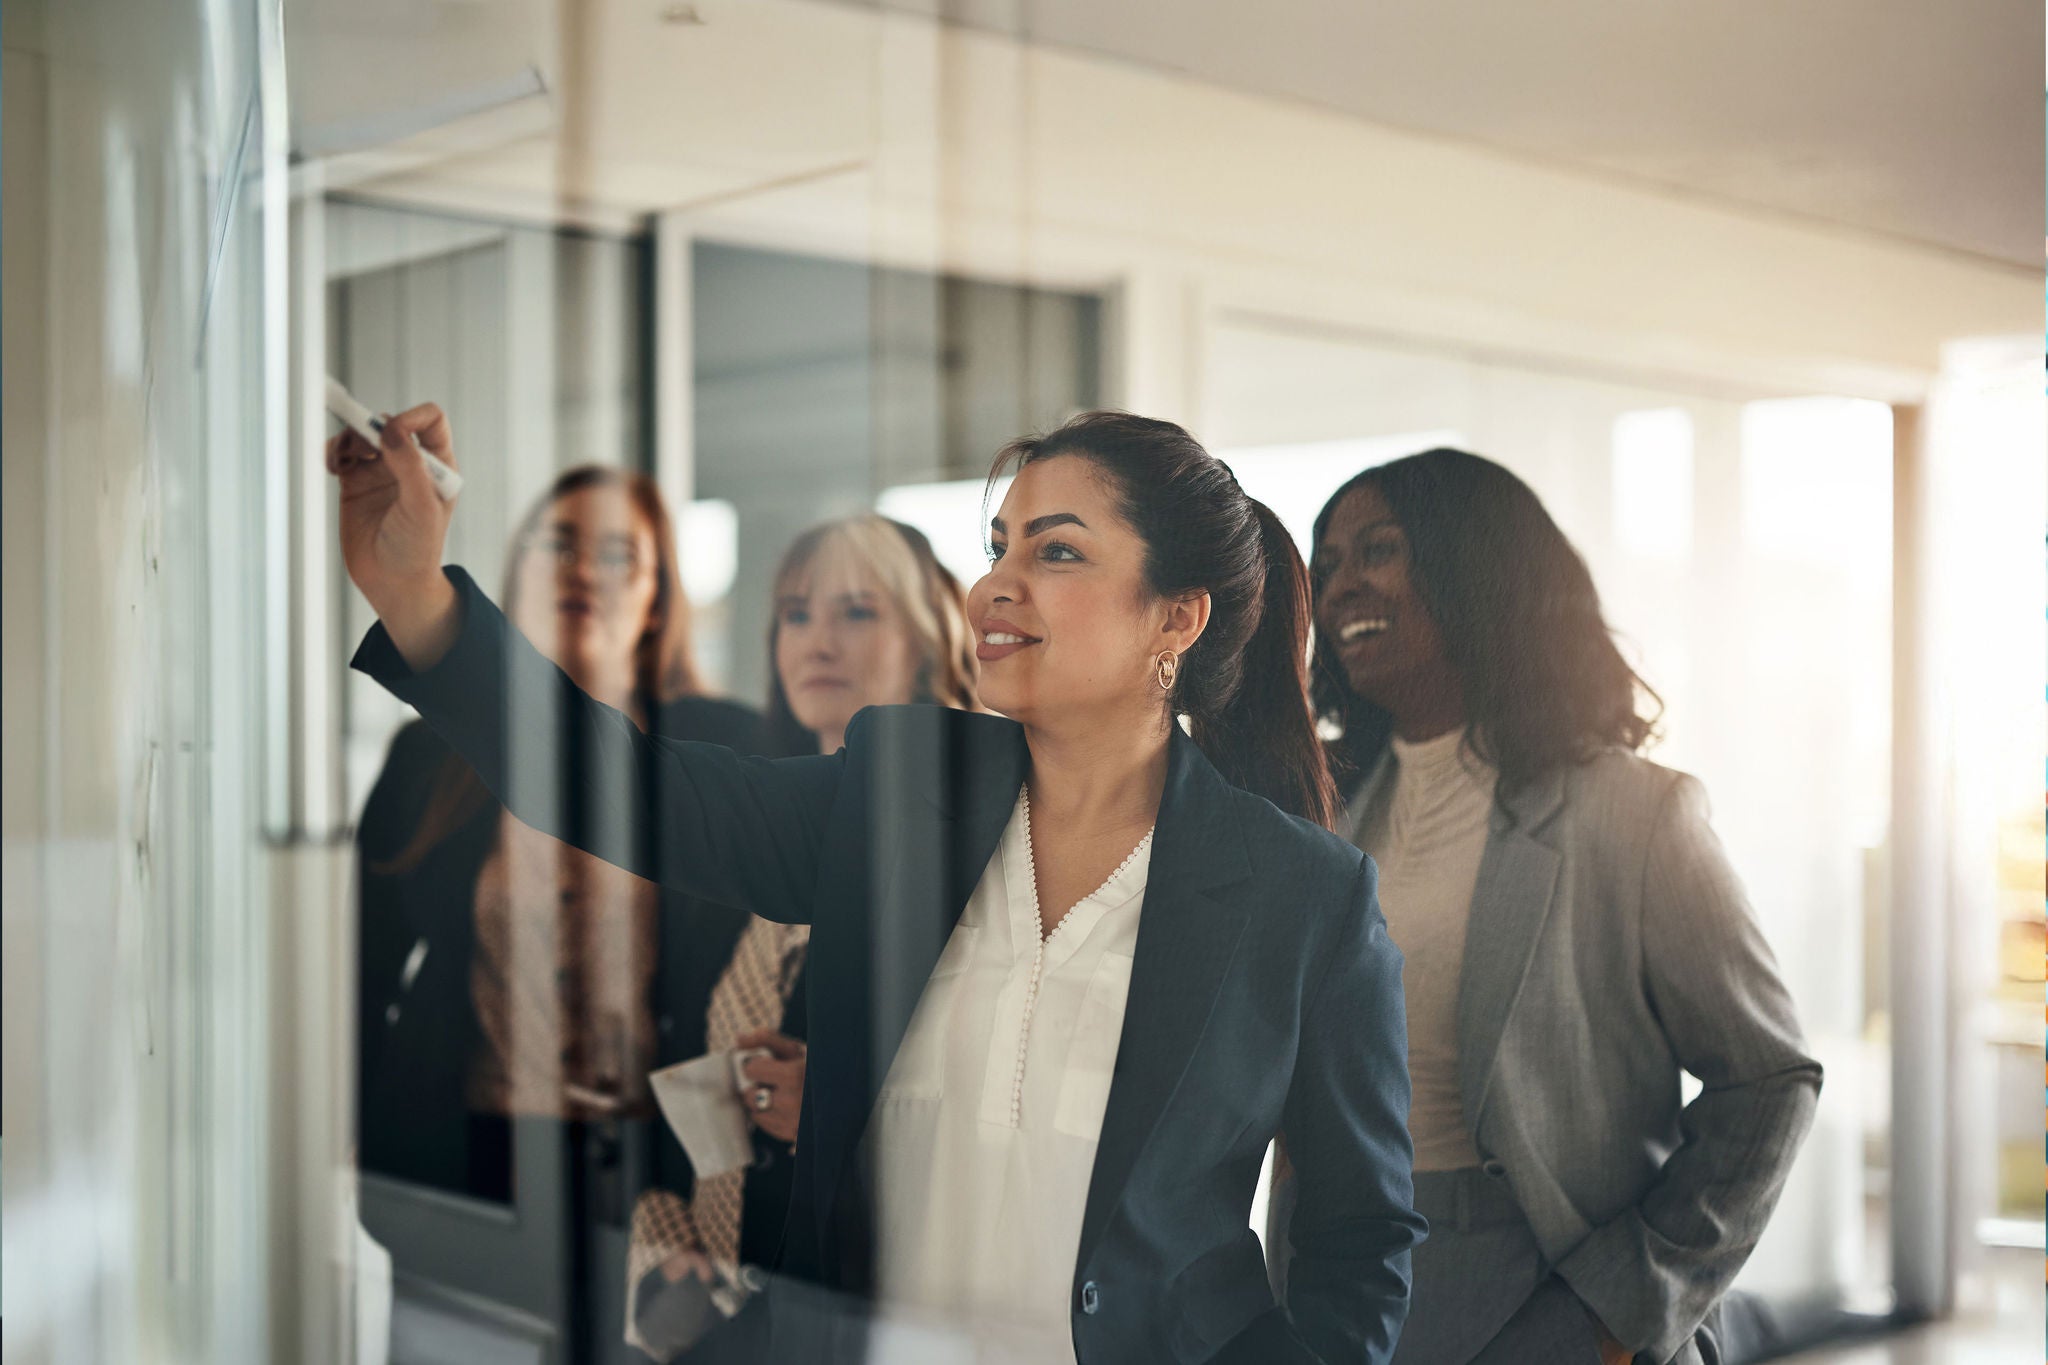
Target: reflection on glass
{"type": "Point", "coordinates": [516, 994]}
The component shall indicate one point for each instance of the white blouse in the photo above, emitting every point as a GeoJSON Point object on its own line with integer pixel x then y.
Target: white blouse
{"type": "Point", "coordinates": [985, 1127]}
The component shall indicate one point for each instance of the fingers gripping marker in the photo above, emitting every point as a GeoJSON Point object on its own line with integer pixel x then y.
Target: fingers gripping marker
{"type": "Point", "coordinates": [368, 425]}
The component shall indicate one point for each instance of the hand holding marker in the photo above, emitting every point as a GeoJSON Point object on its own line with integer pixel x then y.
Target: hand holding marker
{"type": "Point", "coordinates": [370, 427]}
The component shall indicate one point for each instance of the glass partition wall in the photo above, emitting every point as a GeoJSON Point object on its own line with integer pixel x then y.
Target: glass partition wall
{"type": "Point", "coordinates": [820, 387]}
{"type": "Point", "coordinates": [796, 260]}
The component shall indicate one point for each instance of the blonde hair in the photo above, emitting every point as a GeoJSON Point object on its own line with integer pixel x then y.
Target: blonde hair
{"type": "Point", "coordinates": [927, 596]}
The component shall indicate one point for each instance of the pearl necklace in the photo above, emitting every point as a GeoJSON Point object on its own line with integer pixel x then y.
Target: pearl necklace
{"type": "Point", "coordinates": [1038, 958]}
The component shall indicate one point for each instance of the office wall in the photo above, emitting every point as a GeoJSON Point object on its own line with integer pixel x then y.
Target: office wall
{"type": "Point", "coordinates": [894, 138]}
{"type": "Point", "coordinates": [139, 145]}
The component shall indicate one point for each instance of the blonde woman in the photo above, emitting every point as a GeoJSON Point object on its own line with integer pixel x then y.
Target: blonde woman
{"type": "Point", "coordinates": [865, 615]}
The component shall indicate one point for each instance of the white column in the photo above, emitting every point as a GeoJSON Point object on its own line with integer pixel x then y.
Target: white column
{"type": "Point", "coordinates": [1922, 1036]}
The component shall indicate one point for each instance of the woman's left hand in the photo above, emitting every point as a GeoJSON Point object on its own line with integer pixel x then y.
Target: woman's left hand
{"type": "Point", "coordinates": [780, 1077]}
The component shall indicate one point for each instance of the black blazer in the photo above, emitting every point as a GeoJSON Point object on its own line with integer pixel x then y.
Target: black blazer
{"type": "Point", "coordinates": [1265, 993]}
{"type": "Point", "coordinates": [418, 1030]}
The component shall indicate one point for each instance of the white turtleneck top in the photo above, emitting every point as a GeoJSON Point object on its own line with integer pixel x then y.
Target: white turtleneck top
{"type": "Point", "coordinates": [1427, 830]}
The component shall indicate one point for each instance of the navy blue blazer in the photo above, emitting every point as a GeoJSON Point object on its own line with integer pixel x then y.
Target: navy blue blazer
{"type": "Point", "coordinates": [1265, 994]}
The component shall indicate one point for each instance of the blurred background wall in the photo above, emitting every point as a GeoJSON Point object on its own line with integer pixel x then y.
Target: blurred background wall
{"type": "Point", "coordinates": [1753, 301]}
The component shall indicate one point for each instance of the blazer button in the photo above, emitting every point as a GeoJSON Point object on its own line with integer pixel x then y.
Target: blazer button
{"type": "Point", "coordinates": [1493, 1167]}
{"type": "Point", "coordinates": [1091, 1298]}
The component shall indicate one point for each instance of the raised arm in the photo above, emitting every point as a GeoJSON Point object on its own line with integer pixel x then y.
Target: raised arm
{"type": "Point", "coordinates": [1346, 1124]}
{"type": "Point", "coordinates": [744, 832]}
{"type": "Point", "coordinates": [696, 817]}
{"type": "Point", "coordinates": [1652, 1273]}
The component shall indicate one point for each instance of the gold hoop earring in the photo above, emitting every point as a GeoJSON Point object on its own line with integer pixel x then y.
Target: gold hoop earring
{"type": "Point", "coordinates": [1166, 668]}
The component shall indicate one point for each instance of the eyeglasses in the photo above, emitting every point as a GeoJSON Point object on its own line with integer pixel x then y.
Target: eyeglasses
{"type": "Point", "coordinates": [612, 560]}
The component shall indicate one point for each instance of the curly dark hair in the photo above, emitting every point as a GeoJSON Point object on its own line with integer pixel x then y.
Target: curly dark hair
{"type": "Point", "coordinates": [1545, 685]}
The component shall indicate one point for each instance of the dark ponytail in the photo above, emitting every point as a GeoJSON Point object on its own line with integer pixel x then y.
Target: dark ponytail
{"type": "Point", "coordinates": [1244, 684]}
{"type": "Point", "coordinates": [1256, 739]}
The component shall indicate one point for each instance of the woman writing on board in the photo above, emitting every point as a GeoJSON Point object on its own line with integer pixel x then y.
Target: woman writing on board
{"type": "Point", "coordinates": [1070, 970]}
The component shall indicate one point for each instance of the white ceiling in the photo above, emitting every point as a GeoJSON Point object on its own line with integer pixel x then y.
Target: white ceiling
{"type": "Point", "coordinates": [1914, 120]}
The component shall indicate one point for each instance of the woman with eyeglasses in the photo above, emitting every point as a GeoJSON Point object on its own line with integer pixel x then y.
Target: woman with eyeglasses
{"type": "Point", "coordinates": [507, 978]}
{"type": "Point", "coordinates": [1072, 966]}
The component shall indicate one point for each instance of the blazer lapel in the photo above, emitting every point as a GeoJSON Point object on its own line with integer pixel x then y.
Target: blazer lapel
{"type": "Point", "coordinates": [931, 848]}
{"type": "Point", "coordinates": [1186, 940]}
{"type": "Point", "coordinates": [1510, 904]}
{"type": "Point", "coordinates": [992, 766]}
{"type": "Point", "coordinates": [940, 789]}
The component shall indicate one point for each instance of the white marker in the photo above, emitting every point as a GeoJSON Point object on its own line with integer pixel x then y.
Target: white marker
{"type": "Point", "coordinates": [370, 427]}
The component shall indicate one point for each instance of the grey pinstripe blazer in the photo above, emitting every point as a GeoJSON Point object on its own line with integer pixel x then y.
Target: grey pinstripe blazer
{"type": "Point", "coordinates": [1611, 945]}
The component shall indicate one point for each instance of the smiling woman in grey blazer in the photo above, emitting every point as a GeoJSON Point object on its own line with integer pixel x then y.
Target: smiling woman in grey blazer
{"type": "Point", "coordinates": [1575, 937]}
